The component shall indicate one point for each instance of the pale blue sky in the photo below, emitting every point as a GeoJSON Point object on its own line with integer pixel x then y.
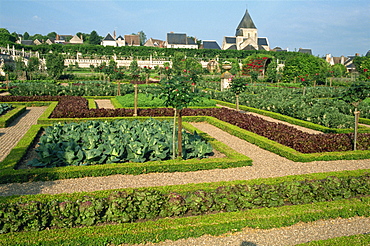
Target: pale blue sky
{"type": "Point", "coordinates": [331, 26]}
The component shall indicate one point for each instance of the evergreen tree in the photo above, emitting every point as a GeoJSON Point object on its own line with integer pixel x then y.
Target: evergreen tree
{"type": "Point", "coordinates": [94, 38]}
{"type": "Point", "coordinates": [26, 36]}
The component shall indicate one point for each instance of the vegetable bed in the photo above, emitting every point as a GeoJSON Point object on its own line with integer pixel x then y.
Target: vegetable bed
{"type": "Point", "coordinates": [97, 142]}
{"type": "Point", "coordinates": [77, 107]}
{"type": "Point", "coordinates": [5, 107]}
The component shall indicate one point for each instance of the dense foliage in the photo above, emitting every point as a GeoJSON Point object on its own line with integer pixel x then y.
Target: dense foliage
{"type": "Point", "coordinates": [93, 88]}
{"type": "Point", "coordinates": [320, 105]}
{"type": "Point", "coordinates": [124, 206]}
{"type": "Point", "coordinates": [96, 142]}
{"type": "Point", "coordinates": [150, 100]}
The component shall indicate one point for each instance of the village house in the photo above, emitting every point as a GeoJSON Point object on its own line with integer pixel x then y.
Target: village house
{"type": "Point", "coordinates": [180, 40]}
{"type": "Point", "coordinates": [76, 40]}
{"type": "Point", "coordinates": [128, 40]}
{"type": "Point", "coordinates": [154, 43]}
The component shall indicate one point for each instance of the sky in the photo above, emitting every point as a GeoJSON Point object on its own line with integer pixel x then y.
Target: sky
{"type": "Point", "coordinates": [324, 26]}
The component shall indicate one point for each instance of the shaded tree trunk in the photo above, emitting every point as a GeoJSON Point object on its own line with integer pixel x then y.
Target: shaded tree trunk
{"type": "Point", "coordinates": [179, 134]}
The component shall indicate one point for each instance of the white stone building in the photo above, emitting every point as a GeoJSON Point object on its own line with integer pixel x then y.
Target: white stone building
{"type": "Point", "coordinates": [246, 37]}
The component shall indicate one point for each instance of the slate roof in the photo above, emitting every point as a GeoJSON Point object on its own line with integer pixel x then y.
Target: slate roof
{"type": "Point", "coordinates": [232, 47]}
{"type": "Point", "coordinates": [305, 51]}
{"type": "Point", "coordinates": [109, 38]}
{"type": "Point", "coordinates": [246, 22]}
{"type": "Point", "coordinates": [190, 41]}
{"type": "Point", "coordinates": [176, 38]}
{"type": "Point", "coordinates": [230, 40]}
{"type": "Point", "coordinates": [262, 41]}
{"type": "Point", "coordinates": [211, 45]}
{"type": "Point", "coordinates": [27, 42]}
{"type": "Point", "coordinates": [249, 47]}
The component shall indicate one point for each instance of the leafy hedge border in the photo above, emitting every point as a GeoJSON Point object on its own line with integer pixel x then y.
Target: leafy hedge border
{"type": "Point", "coordinates": [194, 226]}
{"type": "Point", "coordinates": [297, 121]}
{"type": "Point", "coordinates": [283, 150]}
{"type": "Point", "coordinates": [178, 228]}
{"type": "Point", "coordinates": [7, 118]}
{"type": "Point", "coordinates": [9, 175]}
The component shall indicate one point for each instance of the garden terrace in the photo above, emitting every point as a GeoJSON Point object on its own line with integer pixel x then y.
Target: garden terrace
{"type": "Point", "coordinates": [283, 134]}
{"type": "Point", "coordinates": [77, 107]}
{"type": "Point", "coordinates": [173, 228]}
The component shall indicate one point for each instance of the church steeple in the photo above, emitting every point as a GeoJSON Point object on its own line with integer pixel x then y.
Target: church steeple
{"type": "Point", "coordinates": [245, 23]}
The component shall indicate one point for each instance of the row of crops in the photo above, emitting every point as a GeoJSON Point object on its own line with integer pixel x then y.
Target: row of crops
{"type": "Point", "coordinates": [4, 107]}
{"type": "Point", "coordinates": [96, 142]}
{"type": "Point", "coordinates": [320, 105]}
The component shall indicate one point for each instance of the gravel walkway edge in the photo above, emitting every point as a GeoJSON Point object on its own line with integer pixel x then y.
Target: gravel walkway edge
{"type": "Point", "coordinates": [291, 235]}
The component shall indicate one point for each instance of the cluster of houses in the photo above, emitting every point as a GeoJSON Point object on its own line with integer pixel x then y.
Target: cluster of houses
{"type": "Point", "coordinates": [246, 38]}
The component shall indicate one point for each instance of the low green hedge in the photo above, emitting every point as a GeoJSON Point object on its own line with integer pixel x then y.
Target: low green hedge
{"type": "Point", "coordinates": [91, 103]}
{"type": "Point", "coordinates": [44, 118]}
{"type": "Point", "coordinates": [297, 121]}
{"type": "Point", "coordinates": [194, 226]}
{"type": "Point", "coordinates": [148, 204]}
{"type": "Point", "coordinates": [7, 119]}
{"type": "Point", "coordinates": [285, 151]}
{"type": "Point", "coordinates": [9, 175]}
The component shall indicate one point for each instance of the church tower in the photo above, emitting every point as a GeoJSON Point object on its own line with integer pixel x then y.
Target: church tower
{"type": "Point", "coordinates": [246, 33]}
{"type": "Point", "coordinates": [246, 37]}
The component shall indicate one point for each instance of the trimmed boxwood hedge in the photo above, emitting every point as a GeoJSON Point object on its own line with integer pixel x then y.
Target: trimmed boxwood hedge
{"type": "Point", "coordinates": [8, 117]}
{"type": "Point", "coordinates": [195, 226]}
{"type": "Point", "coordinates": [127, 205]}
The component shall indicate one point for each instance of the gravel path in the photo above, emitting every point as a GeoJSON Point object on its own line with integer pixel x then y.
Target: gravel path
{"type": "Point", "coordinates": [10, 136]}
{"type": "Point", "coordinates": [104, 103]}
{"type": "Point", "coordinates": [292, 235]}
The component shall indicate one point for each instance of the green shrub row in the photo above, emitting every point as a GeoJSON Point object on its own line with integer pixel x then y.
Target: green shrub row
{"type": "Point", "coordinates": [7, 119]}
{"type": "Point", "coordinates": [9, 175]}
{"type": "Point", "coordinates": [123, 207]}
{"type": "Point", "coordinates": [295, 121]}
{"type": "Point", "coordinates": [152, 101]}
{"type": "Point", "coordinates": [194, 226]}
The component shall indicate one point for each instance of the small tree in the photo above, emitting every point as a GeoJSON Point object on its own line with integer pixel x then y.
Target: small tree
{"type": "Point", "coordinates": [356, 93]}
{"type": "Point", "coordinates": [177, 93]}
{"type": "Point", "coordinates": [32, 66]}
{"type": "Point", "coordinates": [238, 85]}
{"type": "Point", "coordinates": [54, 65]}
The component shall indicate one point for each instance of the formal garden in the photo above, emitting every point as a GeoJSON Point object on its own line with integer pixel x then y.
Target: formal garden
{"type": "Point", "coordinates": [150, 130]}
